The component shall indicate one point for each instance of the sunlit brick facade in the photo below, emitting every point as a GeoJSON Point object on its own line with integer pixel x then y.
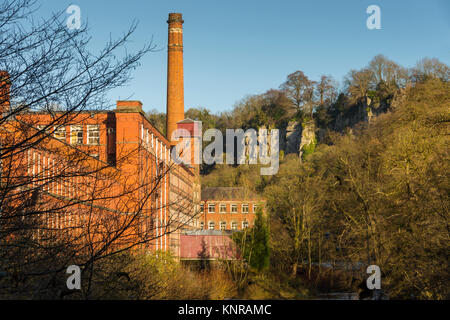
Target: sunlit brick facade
{"type": "Point", "coordinates": [113, 168]}
{"type": "Point", "coordinates": [135, 158]}
{"type": "Point", "coordinates": [228, 208]}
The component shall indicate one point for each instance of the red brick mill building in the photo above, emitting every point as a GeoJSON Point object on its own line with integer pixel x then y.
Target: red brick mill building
{"type": "Point", "coordinates": [223, 210]}
{"type": "Point", "coordinates": [135, 175]}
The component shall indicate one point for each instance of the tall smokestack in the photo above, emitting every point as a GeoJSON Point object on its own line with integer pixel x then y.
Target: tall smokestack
{"type": "Point", "coordinates": [175, 87]}
{"type": "Point", "coordinates": [5, 87]}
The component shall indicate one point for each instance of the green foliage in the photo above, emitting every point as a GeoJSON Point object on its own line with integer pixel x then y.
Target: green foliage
{"type": "Point", "coordinates": [254, 243]}
{"type": "Point", "coordinates": [281, 155]}
{"type": "Point", "coordinates": [260, 243]}
{"type": "Point", "coordinates": [247, 176]}
{"type": "Point", "coordinates": [372, 94]}
{"type": "Point", "coordinates": [309, 149]}
{"type": "Point", "coordinates": [158, 276]}
{"type": "Point", "coordinates": [377, 196]}
{"type": "Point", "coordinates": [157, 119]}
{"type": "Point", "coordinates": [204, 115]}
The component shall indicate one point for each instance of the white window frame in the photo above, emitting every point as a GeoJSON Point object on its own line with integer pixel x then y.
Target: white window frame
{"type": "Point", "coordinates": [234, 225]}
{"type": "Point", "coordinates": [234, 206]}
{"type": "Point", "coordinates": [90, 126]}
{"type": "Point", "coordinates": [59, 130]}
{"type": "Point", "coordinates": [209, 208]}
{"type": "Point", "coordinates": [244, 205]}
{"type": "Point", "coordinates": [247, 224]}
{"type": "Point", "coordinates": [224, 207]}
{"type": "Point", "coordinates": [255, 208]}
{"type": "Point", "coordinates": [223, 225]}
{"type": "Point", "coordinates": [72, 130]}
{"type": "Point", "coordinates": [41, 128]}
{"type": "Point", "coordinates": [211, 225]}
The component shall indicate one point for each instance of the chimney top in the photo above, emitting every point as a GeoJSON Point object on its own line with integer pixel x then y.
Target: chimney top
{"type": "Point", "coordinates": [4, 74]}
{"type": "Point", "coordinates": [129, 106]}
{"type": "Point", "coordinates": [175, 17]}
{"type": "Point", "coordinates": [5, 87]}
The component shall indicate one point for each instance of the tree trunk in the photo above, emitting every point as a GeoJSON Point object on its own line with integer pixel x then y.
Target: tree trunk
{"type": "Point", "coordinates": [294, 270]}
{"type": "Point", "coordinates": [309, 255]}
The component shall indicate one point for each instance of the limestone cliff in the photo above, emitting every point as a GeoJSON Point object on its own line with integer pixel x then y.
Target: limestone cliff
{"type": "Point", "coordinates": [292, 137]}
{"type": "Point", "coordinates": [308, 140]}
{"type": "Point", "coordinates": [296, 137]}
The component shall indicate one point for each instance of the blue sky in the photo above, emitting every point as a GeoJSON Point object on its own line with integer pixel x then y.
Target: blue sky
{"type": "Point", "coordinates": [234, 48]}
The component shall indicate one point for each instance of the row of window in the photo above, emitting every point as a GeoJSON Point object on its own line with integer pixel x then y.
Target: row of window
{"type": "Point", "coordinates": [76, 133]}
{"type": "Point", "coordinates": [151, 142]}
{"type": "Point", "coordinates": [46, 171]}
{"type": "Point", "coordinates": [147, 138]}
{"type": "Point", "coordinates": [223, 208]}
{"type": "Point", "coordinates": [223, 225]}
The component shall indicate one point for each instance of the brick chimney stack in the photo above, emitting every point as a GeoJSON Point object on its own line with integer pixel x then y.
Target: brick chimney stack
{"type": "Point", "coordinates": [175, 87]}
{"type": "Point", "coordinates": [5, 88]}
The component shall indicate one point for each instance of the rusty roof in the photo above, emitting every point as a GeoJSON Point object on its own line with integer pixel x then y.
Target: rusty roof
{"type": "Point", "coordinates": [207, 247]}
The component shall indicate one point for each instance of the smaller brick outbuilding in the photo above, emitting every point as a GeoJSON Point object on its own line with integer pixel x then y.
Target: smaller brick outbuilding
{"type": "Point", "coordinates": [228, 208]}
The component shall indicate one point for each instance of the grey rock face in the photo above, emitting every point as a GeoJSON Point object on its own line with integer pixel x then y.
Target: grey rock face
{"type": "Point", "coordinates": [293, 137]}
{"type": "Point", "coordinates": [308, 136]}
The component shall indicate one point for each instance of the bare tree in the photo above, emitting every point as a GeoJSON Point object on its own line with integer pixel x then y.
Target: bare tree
{"type": "Point", "coordinates": [388, 72]}
{"type": "Point", "coordinates": [358, 83]}
{"type": "Point", "coordinates": [430, 68]}
{"type": "Point", "coordinates": [300, 90]}
{"type": "Point", "coordinates": [326, 90]}
{"type": "Point", "coordinates": [59, 205]}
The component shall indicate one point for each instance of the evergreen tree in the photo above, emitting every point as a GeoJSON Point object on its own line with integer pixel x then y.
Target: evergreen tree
{"type": "Point", "coordinates": [260, 243]}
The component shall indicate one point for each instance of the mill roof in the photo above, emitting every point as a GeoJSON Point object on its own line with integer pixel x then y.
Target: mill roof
{"type": "Point", "coordinates": [228, 193]}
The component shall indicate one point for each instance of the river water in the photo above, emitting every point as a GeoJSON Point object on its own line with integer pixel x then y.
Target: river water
{"type": "Point", "coordinates": [337, 296]}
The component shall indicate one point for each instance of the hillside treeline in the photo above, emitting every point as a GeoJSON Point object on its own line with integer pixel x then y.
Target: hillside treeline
{"type": "Point", "coordinates": [324, 99]}
{"type": "Point", "coordinates": [376, 193]}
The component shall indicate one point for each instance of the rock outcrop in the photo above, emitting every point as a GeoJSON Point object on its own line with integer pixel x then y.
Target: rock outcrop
{"type": "Point", "coordinates": [297, 136]}
{"type": "Point", "coordinates": [308, 138]}
{"type": "Point", "coordinates": [292, 137]}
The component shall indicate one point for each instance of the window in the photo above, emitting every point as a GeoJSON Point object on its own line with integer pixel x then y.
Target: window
{"type": "Point", "coordinates": [234, 225]}
{"type": "Point", "coordinates": [244, 224]}
{"type": "Point", "coordinates": [211, 208]}
{"type": "Point", "coordinates": [93, 134]}
{"type": "Point", "coordinates": [223, 225]}
{"type": "Point", "coordinates": [41, 128]}
{"type": "Point", "coordinates": [60, 133]}
{"type": "Point", "coordinates": [201, 208]}
{"type": "Point", "coordinates": [202, 225]}
{"type": "Point", "coordinates": [211, 225]}
{"type": "Point", "coordinates": [76, 134]}
{"type": "Point", "coordinates": [234, 208]}
{"type": "Point", "coordinates": [223, 208]}
{"type": "Point", "coordinates": [255, 208]}
{"type": "Point", "coordinates": [245, 208]}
